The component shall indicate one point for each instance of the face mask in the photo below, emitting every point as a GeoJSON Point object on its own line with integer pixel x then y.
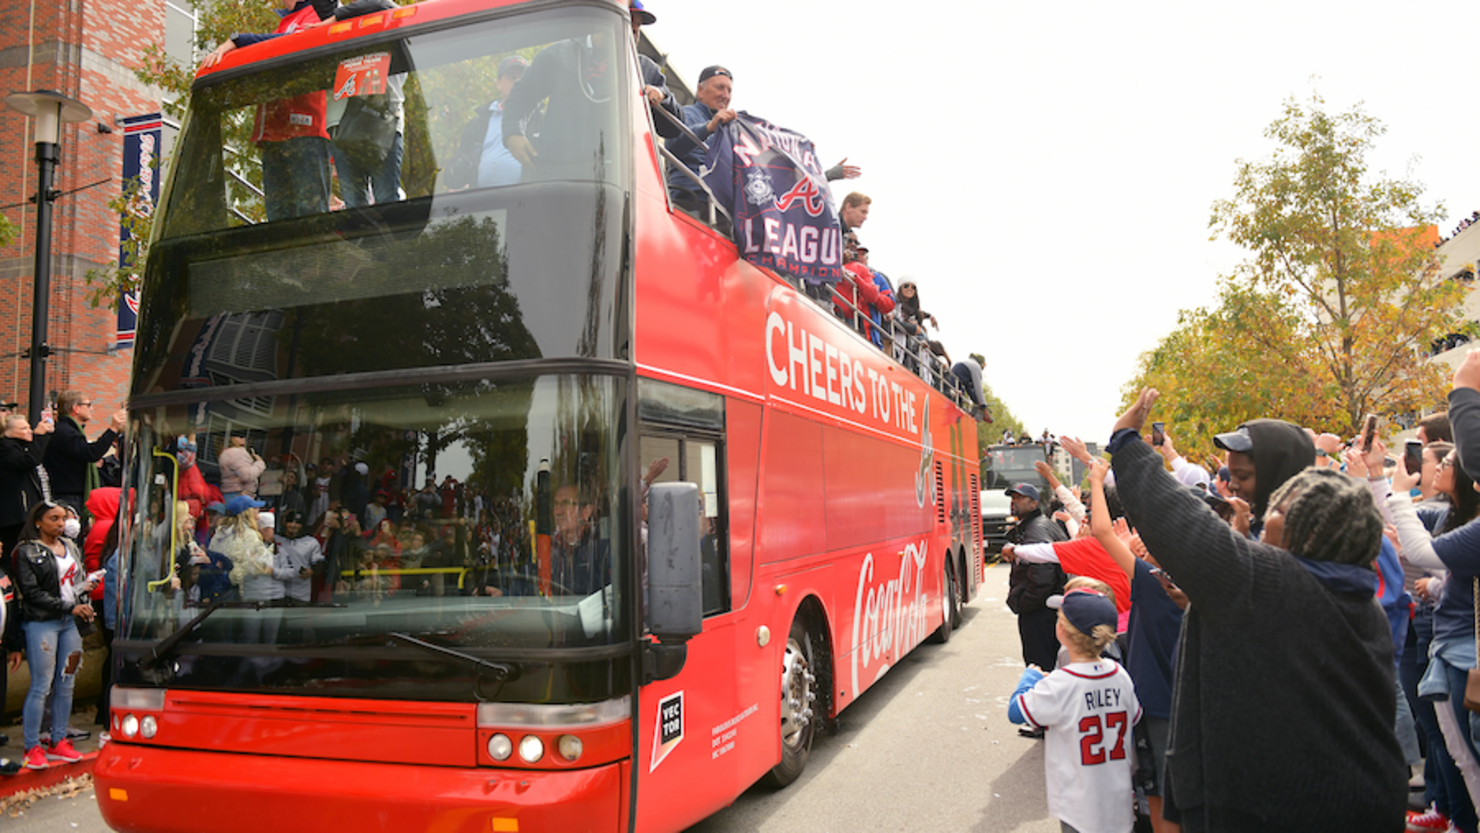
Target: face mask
{"type": "Point", "coordinates": [72, 527]}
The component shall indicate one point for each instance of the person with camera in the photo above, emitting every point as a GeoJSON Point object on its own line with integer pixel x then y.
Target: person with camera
{"type": "Point", "coordinates": [70, 459]}
{"type": "Point", "coordinates": [1262, 455]}
{"type": "Point", "coordinates": [23, 481]}
{"type": "Point", "coordinates": [53, 592]}
{"type": "Point", "coordinates": [1285, 664]}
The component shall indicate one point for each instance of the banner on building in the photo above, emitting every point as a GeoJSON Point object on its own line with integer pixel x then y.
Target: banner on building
{"type": "Point", "coordinates": [770, 181]}
{"type": "Point", "coordinates": [142, 140]}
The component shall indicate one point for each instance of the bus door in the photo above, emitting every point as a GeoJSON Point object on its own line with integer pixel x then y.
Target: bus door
{"type": "Point", "coordinates": [681, 765]}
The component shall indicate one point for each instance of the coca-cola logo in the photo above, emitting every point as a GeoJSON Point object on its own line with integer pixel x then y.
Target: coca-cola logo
{"type": "Point", "coordinates": [888, 612]}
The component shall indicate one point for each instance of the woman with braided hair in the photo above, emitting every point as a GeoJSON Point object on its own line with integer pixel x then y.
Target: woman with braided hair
{"type": "Point", "coordinates": [1282, 714]}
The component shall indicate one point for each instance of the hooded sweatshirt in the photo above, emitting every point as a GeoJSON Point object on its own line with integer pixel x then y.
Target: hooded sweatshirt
{"type": "Point", "coordinates": [102, 504]}
{"type": "Point", "coordinates": [1284, 665]}
{"type": "Point", "coordinates": [1281, 451]}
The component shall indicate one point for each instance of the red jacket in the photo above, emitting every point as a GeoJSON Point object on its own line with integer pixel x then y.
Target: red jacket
{"type": "Point", "coordinates": [302, 115]}
{"type": "Point", "coordinates": [102, 504]}
{"type": "Point", "coordinates": [859, 289]}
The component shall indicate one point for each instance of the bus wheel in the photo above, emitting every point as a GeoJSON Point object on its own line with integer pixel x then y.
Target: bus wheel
{"type": "Point", "coordinates": [798, 695]}
{"type": "Point", "coordinates": [950, 607]}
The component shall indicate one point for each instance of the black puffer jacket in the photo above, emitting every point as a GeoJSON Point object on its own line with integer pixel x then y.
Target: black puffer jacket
{"type": "Point", "coordinates": [1030, 585]}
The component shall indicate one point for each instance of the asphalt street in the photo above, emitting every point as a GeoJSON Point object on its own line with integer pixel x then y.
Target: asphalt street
{"type": "Point", "coordinates": [928, 748]}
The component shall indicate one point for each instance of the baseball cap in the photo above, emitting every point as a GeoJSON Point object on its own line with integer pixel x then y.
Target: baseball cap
{"type": "Point", "coordinates": [1239, 441]}
{"type": "Point", "coordinates": [1085, 608]}
{"type": "Point", "coordinates": [1027, 490]}
{"type": "Point", "coordinates": [711, 71]}
{"type": "Point", "coordinates": [512, 62]}
{"type": "Point", "coordinates": [639, 13]}
{"type": "Point", "coordinates": [242, 503]}
{"type": "Point", "coordinates": [216, 506]}
{"type": "Point", "coordinates": [362, 469]}
{"type": "Point", "coordinates": [265, 520]}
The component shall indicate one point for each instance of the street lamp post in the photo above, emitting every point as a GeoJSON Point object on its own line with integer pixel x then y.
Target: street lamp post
{"type": "Point", "coordinates": [50, 110]}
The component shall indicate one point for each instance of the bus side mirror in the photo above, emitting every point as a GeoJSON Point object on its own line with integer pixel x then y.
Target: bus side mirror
{"type": "Point", "coordinates": [675, 600]}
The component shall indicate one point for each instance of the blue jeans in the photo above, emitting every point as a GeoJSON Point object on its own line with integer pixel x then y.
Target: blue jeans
{"type": "Point", "coordinates": [295, 177]}
{"type": "Point", "coordinates": [45, 642]}
{"type": "Point", "coordinates": [1444, 786]}
{"type": "Point", "coordinates": [383, 181]}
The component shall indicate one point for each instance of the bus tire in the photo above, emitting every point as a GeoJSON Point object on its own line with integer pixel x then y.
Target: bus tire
{"type": "Point", "coordinates": [798, 701]}
{"type": "Point", "coordinates": [950, 608]}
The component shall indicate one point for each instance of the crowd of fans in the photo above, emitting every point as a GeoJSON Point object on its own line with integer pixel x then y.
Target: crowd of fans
{"type": "Point", "coordinates": [1299, 625]}
{"type": "Point", "coordinates": [1463, 224]}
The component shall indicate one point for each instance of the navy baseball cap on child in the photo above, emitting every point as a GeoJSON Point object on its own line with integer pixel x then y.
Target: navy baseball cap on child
{"type": "Point", "coordinates": [1085, 608]}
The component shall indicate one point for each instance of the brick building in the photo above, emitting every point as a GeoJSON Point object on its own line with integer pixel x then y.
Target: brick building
{"type": "Point", "coordinates": [86, 51]}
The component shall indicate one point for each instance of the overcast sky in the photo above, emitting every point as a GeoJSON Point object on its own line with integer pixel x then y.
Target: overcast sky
{"type": "Point", "coordinates": [1046, 170]}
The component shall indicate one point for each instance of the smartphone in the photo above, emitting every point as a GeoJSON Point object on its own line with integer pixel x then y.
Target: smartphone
{"type": "Point", "coordinates": [1369, 431]}
{"type": "Point", "coordinates": [1158, 433]}
{"type": "Point", "coordinates": [1413, 456]}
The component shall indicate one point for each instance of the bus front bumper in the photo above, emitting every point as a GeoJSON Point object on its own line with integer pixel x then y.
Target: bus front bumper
{"type": "Point", "coordinates": [165, 790]}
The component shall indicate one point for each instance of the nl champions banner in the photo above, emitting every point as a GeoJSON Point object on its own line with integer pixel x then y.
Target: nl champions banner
{"type": "Point", "coordinates": [141, 149]}
{"type": "Point", "coordinates": [769, 179]}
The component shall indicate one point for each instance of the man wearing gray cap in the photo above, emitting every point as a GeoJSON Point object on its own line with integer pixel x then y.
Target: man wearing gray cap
{"type": "Point", "coordinates": [1030, 585]}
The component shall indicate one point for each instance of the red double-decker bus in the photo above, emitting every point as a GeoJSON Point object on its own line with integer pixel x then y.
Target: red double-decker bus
{"type": "Point", "coordinates": [581, 640]}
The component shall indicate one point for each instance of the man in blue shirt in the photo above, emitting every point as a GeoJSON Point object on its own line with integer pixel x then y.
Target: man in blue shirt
{"type": "Point", "coordinates": [482, 160]}
{"type": "Point", "coordinates": [703, 117]}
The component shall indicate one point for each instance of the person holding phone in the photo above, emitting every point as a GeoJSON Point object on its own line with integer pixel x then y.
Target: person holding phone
{"type": "Point", "coordinates": [1285, 663]}
{"type": "Point", "coordinates": [1262, 455]}
{"type": "Point", "coordinates": [53, 593]}
{"type": "Point", "coordinates": [1190, 473]}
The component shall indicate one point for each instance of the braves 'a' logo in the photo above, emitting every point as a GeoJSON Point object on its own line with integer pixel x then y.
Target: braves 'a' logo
{"type": "Point", "coordinates": [807, 191]}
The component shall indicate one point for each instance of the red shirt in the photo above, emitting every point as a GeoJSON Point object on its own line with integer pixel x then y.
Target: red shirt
{"type": "Point", "coordinates": [301, 115]}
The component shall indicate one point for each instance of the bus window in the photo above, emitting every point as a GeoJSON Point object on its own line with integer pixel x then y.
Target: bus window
{"type": "Point", "coordinates": [517, 545]}
{"type": "Point", "coordinates": [697, 460]}
{"type": "Point", "coordinates": [396, 117]}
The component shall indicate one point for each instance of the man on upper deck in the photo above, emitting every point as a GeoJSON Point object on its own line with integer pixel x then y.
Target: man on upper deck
{"type": "Point", "coordinates": [710, 110]}
{"type": "Point", "coordinates": [291, 133]}
{"type": "Point", "coordinates": [482, 159]}
{"type": "Point", "coordinates": [579, 78]}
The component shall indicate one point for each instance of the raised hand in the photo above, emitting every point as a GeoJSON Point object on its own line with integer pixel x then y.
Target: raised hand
{"type": "Point", "coordinates": [1135, 416]}
{"type": "Point", "coordinates": [1076, 448]}
{"type": "Point", "coordinates": [1467, 375]}
{"type": "Point", "coordinates": [1098, 468]}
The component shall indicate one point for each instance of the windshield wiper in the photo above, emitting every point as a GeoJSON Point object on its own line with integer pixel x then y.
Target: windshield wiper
{"type": "Point", "coordinates": [166, 646]}
{"type": "Point", "coordinates": [500, 671]}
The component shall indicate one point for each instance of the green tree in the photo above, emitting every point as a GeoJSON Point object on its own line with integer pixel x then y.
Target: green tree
{"type": "Point", "coordinates": [1003, 419]}
{"type": "Point", "coordinates": [1242, 359]}
{"type": "Point", "coordinates": [1351, 257]}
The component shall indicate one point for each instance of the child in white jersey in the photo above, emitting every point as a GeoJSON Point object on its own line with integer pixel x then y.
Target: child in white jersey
{"type": "Point", "coordinates": [1089, 707]}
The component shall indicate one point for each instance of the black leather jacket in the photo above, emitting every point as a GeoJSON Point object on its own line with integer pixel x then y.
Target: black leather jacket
{"type": "Point", "coordinates": [40, 586]}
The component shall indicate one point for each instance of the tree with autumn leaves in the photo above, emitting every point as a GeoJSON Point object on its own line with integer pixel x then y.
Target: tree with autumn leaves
{"type": "Point", "coordinates": [1332, 314]}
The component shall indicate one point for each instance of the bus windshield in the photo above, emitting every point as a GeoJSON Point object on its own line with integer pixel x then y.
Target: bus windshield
{"type": "Point", "coordinates": [446, 266]}
{"type": "Point", "coordinates": [521, 550]}
{"type": "Point", "coordinates": [1006, 465]}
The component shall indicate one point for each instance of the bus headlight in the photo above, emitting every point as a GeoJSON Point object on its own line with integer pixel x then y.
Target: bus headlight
{"type": "Point", "coordinates": [130, 726]}
{"type": "Point", "coordinates": [500, 747]}
{"type": "Point", "coordinates": [148, 727]}
{"type": "Point", "coordinates": [570, 747]}
{"type": "Point", "coordinates": [531, 748]}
